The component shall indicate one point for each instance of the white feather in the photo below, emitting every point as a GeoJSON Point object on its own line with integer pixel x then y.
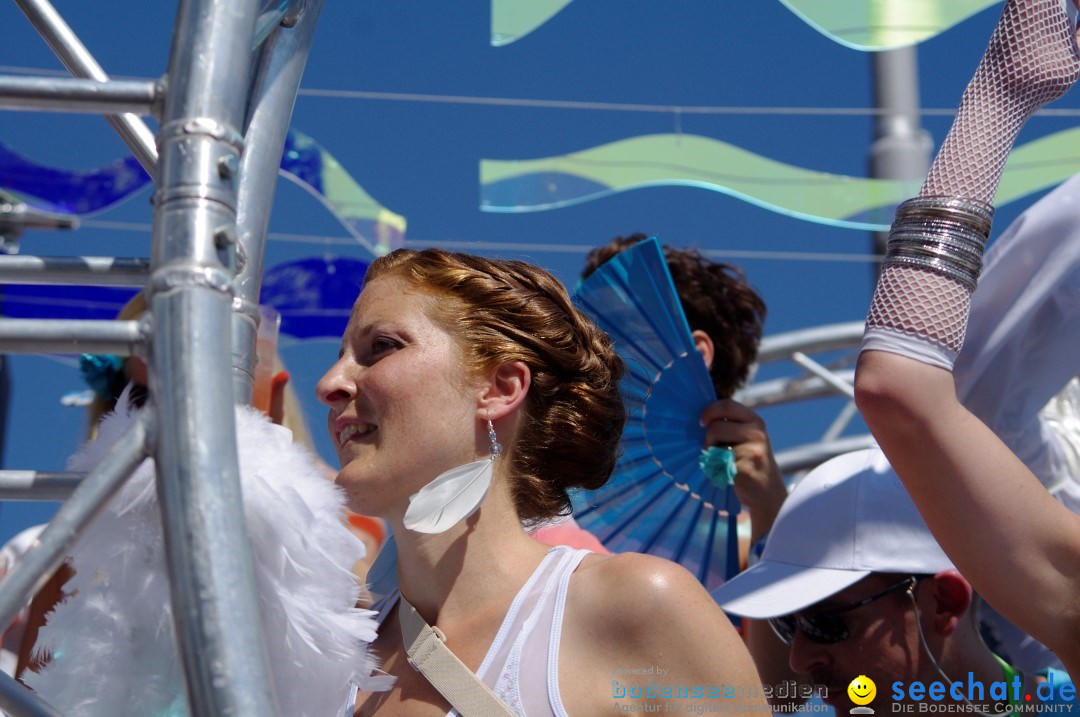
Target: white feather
{"type": "Point", "coordinates": [113, 643]}
{"type": "Point", "coordinates": [451, 497]}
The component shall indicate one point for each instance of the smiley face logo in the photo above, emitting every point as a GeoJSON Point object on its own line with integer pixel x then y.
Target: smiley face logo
{"type": "Point", "coordinates": [862, 690]}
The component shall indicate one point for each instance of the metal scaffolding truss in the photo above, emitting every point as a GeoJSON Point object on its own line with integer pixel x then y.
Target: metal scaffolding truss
{"type": "Point", "coordinates": [812, 379]}
{"type": "Point", "coordinates": [223, 107]}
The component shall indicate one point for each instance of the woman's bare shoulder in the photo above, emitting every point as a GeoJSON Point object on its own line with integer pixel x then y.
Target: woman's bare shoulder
{"type": "Point", "coordinates": [632, 593]}
{"type": "Point", "coordinates": [640, 609]}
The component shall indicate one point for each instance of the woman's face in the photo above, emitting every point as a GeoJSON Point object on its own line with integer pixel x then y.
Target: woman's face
{"type": "Point", "coordinates": [402, 409]}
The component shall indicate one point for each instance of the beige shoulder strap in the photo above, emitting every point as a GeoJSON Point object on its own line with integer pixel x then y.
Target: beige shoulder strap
{"type": "Point", "coordinates": [428, 654]}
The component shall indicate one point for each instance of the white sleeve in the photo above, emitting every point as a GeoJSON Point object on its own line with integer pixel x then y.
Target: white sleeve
{"type": "Point", "coordinates": [1023, 338]}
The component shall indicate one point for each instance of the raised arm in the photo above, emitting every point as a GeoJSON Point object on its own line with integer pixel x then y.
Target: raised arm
{"type": "Point", "coordinates": [1017, 546]}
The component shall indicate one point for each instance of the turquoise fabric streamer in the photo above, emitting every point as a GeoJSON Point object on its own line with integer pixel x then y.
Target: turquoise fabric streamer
{"type": "Point", "coordinates": [718, 464]}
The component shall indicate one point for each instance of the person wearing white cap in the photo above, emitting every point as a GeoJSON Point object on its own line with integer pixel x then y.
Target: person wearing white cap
{"type": "Point", "coordinates": [853, 581]}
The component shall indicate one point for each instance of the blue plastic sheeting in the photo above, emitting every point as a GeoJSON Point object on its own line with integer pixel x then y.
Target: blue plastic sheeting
{"type": "Point", "coordinates": [314, 297]}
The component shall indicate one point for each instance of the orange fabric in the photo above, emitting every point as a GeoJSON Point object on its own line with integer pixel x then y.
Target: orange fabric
{"type": "Point", "coordinates": [371, 526]}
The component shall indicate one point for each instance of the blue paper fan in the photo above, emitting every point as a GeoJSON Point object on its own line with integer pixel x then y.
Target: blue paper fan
{"type": "Point", "coordinates": [659, 500]}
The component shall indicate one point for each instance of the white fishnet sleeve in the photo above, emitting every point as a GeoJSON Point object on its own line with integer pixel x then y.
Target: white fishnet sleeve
{"type": "Point", "coordinates": [1031, 60]}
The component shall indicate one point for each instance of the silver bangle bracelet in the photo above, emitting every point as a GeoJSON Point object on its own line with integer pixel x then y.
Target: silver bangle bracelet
{"type": "Point", "coordinates": [941, 226]}
{"type": "Point", "coordinates": [937, 266]}
{"type": "Point", "coordinates": [977, 215]}
{"type": "Point", "coordinates": [922, 245]}
{"type": "Point", "coordinates": [966, 263]}
{"type": "Point", "coordinates": [964, 242]}
{"type": "Point", "coordinates": [967, 269]}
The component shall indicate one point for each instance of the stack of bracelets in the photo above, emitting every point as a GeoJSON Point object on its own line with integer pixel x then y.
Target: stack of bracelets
{"type": "Point", "coordinates": [944, 235]}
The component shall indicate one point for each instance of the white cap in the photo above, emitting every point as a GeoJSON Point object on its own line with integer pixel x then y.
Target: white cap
{"type": "Point", "coordinates": [849, 517]}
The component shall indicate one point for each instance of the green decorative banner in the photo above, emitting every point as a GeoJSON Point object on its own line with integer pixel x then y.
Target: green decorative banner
{"type": "Point", "coordinates": [873, 25]}
{"type": "Point", "coordinates": [689, 160]}
{"type": "Point", "coordinates": [309, 165]}
{"type": "Point", "coordinates": [514, 19]}
{"type": "Point", "coordinates": [866, 25]}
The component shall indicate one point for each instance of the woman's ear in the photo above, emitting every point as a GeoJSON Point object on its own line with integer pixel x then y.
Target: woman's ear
{"type": "Point", "coordinates": [505, 390]}
{"type": "Point", "coordinates": [705, 346]}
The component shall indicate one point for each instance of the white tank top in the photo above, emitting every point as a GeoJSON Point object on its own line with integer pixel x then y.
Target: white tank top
{"type": "Point", "coordinates": [522, 664]}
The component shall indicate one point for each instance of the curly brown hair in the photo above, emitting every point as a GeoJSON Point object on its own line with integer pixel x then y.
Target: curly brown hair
{"type": "Point", "coordinates": [717, 299]}
{"type": "Point", "coordinates": [500, 311]}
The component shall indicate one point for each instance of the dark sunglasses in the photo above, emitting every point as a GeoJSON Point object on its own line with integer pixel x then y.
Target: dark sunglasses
{"type": "Point", "coordinates": [828, 626]}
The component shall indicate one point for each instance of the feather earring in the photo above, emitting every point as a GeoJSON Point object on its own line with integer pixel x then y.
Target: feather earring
{"type": "Point", "coordinates": [453, 495]}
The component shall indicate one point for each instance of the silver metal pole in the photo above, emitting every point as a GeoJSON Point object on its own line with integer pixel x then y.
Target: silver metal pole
{"type": "Point", "coordinates": [76, 95]}
{"type": "Point", "coordinates": [16, 215]}
{"type": "Point", "coordinates": [32, 571]}
{"type": "Point", "coordinates": [787, 390]}
{"type": "Point", "coordinates": [72, 336]}
{"type": "Point", "coordinates": [38, 485]}
{"type": "Point", "coordinates": [18, 701]}
{"type": "Point", "coordinates": [276, 81]}
{"type": "Point", "coordinates": [901, 147]}
{"type": "Point", "coordinates": [79, 270]}
{"type": "Point", "coordinates": [819, 338]}
{"type": "Point", "coordinates": [80, 63]}
{"type": "Point", "coordinates": [213, 586]}
{"type": "Point", "coordinates": [844, 388]}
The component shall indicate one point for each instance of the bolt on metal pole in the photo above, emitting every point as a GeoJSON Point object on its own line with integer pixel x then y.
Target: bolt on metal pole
{"type": "Point", "coordinates": [274, 13]}
{"type": "Point", "coordinates": [212, 579]}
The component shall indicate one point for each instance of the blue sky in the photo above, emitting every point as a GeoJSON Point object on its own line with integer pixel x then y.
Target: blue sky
{"type": "Point", "coordinates": [420, 159]}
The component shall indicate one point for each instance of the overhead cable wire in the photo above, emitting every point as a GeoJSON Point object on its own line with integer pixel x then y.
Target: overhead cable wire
{"type": "Point", "coordinates": [523, 247]}
{"type": "Point", "coordinates": [330, 93]}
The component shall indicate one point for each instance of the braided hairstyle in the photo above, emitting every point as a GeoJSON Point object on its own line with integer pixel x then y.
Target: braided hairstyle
{"type": "Point", "coordinates": [716, 298]}
{"type": "Point", "coordinates": [500, 311]}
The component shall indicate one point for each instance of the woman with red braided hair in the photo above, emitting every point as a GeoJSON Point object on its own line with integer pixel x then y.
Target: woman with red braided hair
{"type": "Point", "coordinates": [468, 397]}
{"type": "Point", "coordinates": [1018, 546]}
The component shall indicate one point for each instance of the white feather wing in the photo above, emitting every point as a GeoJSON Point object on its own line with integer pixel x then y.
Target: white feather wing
{"type": "Point", "coordinates": [113, 642]}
